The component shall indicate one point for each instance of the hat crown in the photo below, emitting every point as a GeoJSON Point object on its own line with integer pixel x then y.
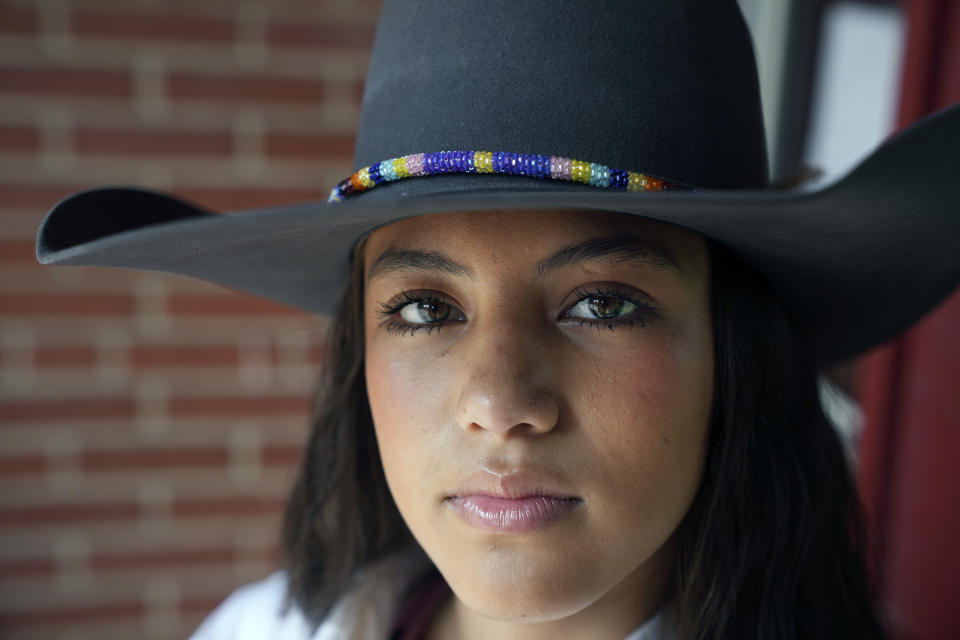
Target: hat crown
{"type": "Point", "coordinates": [665, 87]}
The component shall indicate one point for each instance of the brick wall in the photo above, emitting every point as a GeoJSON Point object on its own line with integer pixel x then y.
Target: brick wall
{"type": "Point", "coordinates": [150, 425]}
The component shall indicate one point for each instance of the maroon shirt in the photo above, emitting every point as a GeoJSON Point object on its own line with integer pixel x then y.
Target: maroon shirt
{"type": "Point", "coordinates": [415, 615]}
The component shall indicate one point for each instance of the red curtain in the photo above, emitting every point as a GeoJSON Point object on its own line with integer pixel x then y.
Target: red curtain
{"type": "Point", "coordinates": [909, 474]}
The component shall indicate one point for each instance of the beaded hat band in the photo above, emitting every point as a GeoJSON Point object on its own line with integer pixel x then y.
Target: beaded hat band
{"type": "Point", "coordinates": [522, 164]}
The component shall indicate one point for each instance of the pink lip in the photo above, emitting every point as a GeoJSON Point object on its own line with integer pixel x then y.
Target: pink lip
{"type": "Point", "coordinates": [517, 501]}
{"type": "Point", "coordinates": [512, 515]}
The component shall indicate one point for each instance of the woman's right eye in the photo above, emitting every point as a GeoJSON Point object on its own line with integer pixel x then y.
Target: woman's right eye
{"type": "Point", "coordinates": [426, 312]}
{"type": "Point", "coordinates": [410, 311]}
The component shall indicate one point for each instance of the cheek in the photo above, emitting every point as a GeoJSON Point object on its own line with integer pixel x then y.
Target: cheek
{"type": "Point", "coordinates": [646, 420]}
{"type": "Point", "coordinates": [407, 396]}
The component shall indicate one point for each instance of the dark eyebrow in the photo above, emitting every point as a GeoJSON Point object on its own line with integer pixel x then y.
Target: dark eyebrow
{"type": "Point", "coordinates": [612, 248]}
{"type": "Point", "coordinates": [397, 258]}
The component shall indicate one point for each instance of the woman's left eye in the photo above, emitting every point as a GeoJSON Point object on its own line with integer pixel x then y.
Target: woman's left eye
{"type": "Point", "coordinates": [603, 308]}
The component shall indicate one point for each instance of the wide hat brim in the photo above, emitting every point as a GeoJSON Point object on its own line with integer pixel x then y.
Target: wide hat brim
{"type": "Point", "coordinates": [854, 263]}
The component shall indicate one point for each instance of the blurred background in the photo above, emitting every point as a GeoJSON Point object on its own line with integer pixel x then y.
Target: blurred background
{"type": "Point", "coordinates": [150, 425]}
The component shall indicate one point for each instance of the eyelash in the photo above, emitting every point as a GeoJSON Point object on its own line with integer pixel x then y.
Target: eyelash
{"type": "Point", "coordinates": [645, 311]}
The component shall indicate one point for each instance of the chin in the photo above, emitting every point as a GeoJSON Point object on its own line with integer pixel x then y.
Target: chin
{"type": "Point", "coordinates": [517, 586]}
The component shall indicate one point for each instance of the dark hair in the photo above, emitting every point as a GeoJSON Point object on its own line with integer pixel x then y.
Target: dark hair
{"type": "Point", "coordinates": [770, 548]}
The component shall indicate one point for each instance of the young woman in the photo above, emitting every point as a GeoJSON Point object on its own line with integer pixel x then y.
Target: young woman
{"type": "Point", "coordinates": [582, 418]}
{"type": "Point", "coordinates": [566, 398]}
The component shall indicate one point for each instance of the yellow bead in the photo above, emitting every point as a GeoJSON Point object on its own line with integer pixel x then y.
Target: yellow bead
{"type": "Point", "coordinates": [364, 175]}
{"type": "Point", "coordinates": [634, 184]}
{"type": "Point", "coordinates": [483, 161]}
{"type": "Point", "coordinates": [580, 171]}
{"type": "Point", "coordinates": [400, 168]}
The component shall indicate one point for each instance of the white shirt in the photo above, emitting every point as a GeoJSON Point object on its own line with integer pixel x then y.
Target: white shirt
{"type": "Point", "coordinates": [365, 612]}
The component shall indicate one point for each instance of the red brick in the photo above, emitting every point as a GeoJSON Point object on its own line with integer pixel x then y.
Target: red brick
{"type": "Point", "coordinates": [18, 20]}
{"type": "Point", "coordinates": [335, 36]}
{"type": "Point", "coordinates": [66, 513]}
{"type": "Point", "coordinates": [199, 605]}
{"type": "Point", "coordinates": [153, 143]}
{"type": "Point", "coordinates": [225, 406]}
{"type": "Point", "coordinates": [70, 615]}
{"type": "Point", "coordinates": [89, 304]}
{"type": "Point", "coordinates": [241, 199]}
{"type": "Point", "coordinates": [280, 456]}
{"type": "Point", "coordinates": [17, 465]}
{"type": "Point", "coordinates": [353, 90]}
{"type": "Point", "coordinates": [18, 252]}
{"type": "Point", "coordinates": [189, 304]}
{"type": "Point", "coordinates": [235, 506]}
{"type": "Point", "coordinates": [153, 459]}
{"type": "Point", "coordinates": [317, 353]}
{"type": "Point", "coordinates": [60, 408]}
{"type": "Point", "coordinates": [64, 356]}
{"type": "Point", "coordinates": [149, 357]}
{"type": "Point", "coordinates": [27, 567]}
{"type": "Point", "coordinates": [67, 82]}
{"type": "Point", "coordinates": [308, 146]}
{"type": "Point", "coordinates": [150, 26]}
{"type": "Point", "coordinates": [19, 138]}
{"type": "Point", "coordinates": [137, 561]}
{"type": "Point", "coordinates": [75, 513]}
{"type": "Point", "coordinates": [34, 195]}
{"type": "Point", "coordinates": [83, 617]}
{"type": "Point", "coordinates": [244, 88]}
{"type": "Point", "coordinates": [161, 559]}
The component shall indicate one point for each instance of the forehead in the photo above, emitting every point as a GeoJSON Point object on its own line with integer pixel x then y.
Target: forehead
{"type": "Point", "coordinates": [518, 237]}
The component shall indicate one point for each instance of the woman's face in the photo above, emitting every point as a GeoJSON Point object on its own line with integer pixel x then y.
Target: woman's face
{"type": "Point", "coordinates": [541, 386]}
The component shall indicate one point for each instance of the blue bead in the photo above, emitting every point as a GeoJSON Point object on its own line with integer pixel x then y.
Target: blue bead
{"type": "Point", "coordinates": [543, 168]}
{"type": "Point", "coordinates": [374, 172]}
{"type": "Point", "coordinates": [618, 179]}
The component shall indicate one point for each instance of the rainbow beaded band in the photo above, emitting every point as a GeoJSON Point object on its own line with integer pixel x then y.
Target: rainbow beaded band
{"type": "Point", "coordinates": [522, 164]}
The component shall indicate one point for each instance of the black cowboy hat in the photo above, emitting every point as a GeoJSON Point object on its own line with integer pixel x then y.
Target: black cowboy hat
{"type": "Point", "coordinates": [659, 103]}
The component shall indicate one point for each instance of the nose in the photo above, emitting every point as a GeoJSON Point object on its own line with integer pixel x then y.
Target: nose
{"type": "Point", "coordinates": [505, 385]}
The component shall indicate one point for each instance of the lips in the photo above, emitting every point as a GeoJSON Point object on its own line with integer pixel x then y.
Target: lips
{"type": "Point", "coordinates": [515, 502]}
